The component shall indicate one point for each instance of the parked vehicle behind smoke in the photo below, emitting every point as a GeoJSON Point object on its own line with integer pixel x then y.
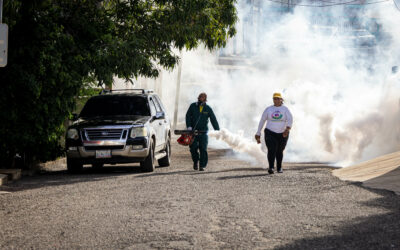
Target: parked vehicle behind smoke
{"type": "Point", "coordinates": [361, 46]}
{"type": "Point", "coordinates": [357, 39]}
{"type": "Point", "coordinates": [120, 127]}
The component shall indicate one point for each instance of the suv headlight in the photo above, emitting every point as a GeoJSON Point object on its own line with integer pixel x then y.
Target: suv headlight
{"type": "Point", "coordinates": [138, 131]}
{"type": "Point", "coordinates": [72, 134]}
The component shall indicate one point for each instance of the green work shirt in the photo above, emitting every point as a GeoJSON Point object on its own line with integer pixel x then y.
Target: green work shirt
{"type": "Point", "coordinates": [194, 116]}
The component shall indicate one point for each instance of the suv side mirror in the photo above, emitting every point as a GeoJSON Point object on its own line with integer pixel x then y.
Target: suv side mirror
{"type": "Point", "coordinates": [160, 115]}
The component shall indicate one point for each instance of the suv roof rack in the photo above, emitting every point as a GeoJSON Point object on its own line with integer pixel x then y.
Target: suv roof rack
{"type": "Point", "coordinates": [142, 91]}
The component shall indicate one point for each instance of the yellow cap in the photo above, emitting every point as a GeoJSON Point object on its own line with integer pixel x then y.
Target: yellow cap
{"type": "Point", "coordinates": [277, 95]}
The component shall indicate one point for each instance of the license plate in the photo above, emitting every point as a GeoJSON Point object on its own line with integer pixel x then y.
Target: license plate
{"type": "Point", "coordinates": [103, 153]}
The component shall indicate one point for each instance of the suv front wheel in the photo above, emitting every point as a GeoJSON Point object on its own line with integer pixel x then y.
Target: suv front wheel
{"type": "Point", "coordinates": [148, 164]}
{"type": "Point", "coordinates": [166, 160]}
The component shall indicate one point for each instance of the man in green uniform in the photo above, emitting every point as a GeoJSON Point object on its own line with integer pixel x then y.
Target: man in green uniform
{"type": "Point", "coordinates": [197, 119]}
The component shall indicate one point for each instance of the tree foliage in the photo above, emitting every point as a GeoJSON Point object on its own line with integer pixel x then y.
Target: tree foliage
{"type": "Point", "coordinates": [58, 46]}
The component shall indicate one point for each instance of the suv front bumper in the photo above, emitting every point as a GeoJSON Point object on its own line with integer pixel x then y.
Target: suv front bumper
{"type": "Point", "coordinates": [132, 151]}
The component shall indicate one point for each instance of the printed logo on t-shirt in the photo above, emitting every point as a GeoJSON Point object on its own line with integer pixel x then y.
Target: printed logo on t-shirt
{"type": "Point", "coordinates": [276, 115]}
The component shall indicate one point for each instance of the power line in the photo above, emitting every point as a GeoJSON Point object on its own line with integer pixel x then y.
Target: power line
{"type": "Point", "coordinates": [372, 2]}
{"type": "Point", "coordinates": [327, 5]}
{"type": "Point", "coordinates": [307, 5]}
{"type": "Point", "coordinates": [336, 2]}
{"type": "Point", "coordinates": [324, 1]}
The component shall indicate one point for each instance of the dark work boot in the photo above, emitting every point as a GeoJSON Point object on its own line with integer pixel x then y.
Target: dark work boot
{"type": "Point", "coordinates": [270, 170]}
{"type": "Point", "coordinates": [195, 165]}
{"type": "Point", "coordinates": [202, 168]}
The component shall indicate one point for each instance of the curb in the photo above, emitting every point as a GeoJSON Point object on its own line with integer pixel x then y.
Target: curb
{"type": "Point", "coordinates": [3, 179]}
{"type": "Point", "coordinates": [11, 174]}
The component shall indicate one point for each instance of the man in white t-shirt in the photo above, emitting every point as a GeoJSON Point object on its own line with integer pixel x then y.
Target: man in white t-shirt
{"type": "Point", "coordinates": [279, 122]}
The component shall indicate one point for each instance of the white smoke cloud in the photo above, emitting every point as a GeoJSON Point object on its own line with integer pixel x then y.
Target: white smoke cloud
{"type": "Point", "coordinates": [344, 112]}
{"type": "Point", "coordinates": [240, 144]}
{"type": "Point", "coordinates": [345, 103]}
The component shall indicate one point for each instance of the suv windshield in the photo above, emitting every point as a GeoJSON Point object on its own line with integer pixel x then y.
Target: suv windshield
{"type": "Point", "coordinates": [115, 105]}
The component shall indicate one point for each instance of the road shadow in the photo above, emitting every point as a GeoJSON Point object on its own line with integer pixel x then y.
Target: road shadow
{"type": "Point", "coordinates": [305, 166]}
{"type": "Point", "coordinates": [243, 176]}
{"type": "Point", "coordinates": [259, 169]}
{"type": "Point", "coordinates": [261, 172]}
{"type": "Point", "coordinates": [196, 172]}
{"type": "Point", "coordinates": [109, 170]}
{"type": "Point", "coordinates": [210, 171]}
{"type": "Point", "coordinates": [389, 181]}
{"type": "Point", "coordinates": [46, 178]}
{"type": "Point", "coordinates": [180, 172]}
{"type": "Point", "coordinates": [381, 231]}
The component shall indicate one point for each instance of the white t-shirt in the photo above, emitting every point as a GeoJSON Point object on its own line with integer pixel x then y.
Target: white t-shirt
{"type": "Point", "coordinates": [278, 118]}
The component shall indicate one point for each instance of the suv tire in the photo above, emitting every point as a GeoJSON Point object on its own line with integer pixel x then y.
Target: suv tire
{"type": "Point", "coordinates": [148, 164]}
{"type": "Point", "coordinates": [166, 160]}
{"type": "Point", "coordinates": [73, 166]}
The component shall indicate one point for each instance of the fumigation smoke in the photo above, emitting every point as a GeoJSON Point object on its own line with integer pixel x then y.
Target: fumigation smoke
{"type": "Point", "coordinates": [337, 80]}
{"type": "Point", "coordinates": [241, 144]}
{"type": "Point", "coordinates": [336, 76]}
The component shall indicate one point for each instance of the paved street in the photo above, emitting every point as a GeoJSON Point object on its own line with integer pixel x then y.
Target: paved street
{"type": "Point", "coordinates": [231, 205]}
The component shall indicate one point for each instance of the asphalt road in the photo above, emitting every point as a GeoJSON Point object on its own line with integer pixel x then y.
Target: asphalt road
{"type": "Point", "coordinates": [231, 205]}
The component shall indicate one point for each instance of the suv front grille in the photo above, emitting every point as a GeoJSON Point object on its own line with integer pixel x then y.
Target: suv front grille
{"type": "Point", "coordinates": [103, 134]}
{"type": "Point", "coordinates": [117, 147]}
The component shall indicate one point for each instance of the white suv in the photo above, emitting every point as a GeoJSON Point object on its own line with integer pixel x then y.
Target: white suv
{"type": "Point", "coordinates": [120, 127]}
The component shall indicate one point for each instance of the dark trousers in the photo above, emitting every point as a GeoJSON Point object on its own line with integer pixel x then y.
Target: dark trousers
{"type": "Point", "coordinates": [276, 143]}
{"type": "Point", "coordinates": [200, 143]}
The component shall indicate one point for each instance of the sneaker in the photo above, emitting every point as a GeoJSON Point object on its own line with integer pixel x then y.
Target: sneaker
{"type": "Point", "coordinates": [202, 169]}
{"type": "Point", "coordinates": [280, 171]}
{"type": "Point", "coordinates": [195, 166]}
{"type": "Point", "coordinates": [270, 171]}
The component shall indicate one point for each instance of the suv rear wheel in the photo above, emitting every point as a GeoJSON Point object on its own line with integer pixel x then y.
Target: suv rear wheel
{"type": "Point", "coordinates": [166, 160]}
{"type": "Point", "coordinates": [148, 164]}
{"type": "Point", "coordinates": [74, 166]}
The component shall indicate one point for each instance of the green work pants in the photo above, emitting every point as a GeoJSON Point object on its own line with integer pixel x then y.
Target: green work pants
{"type": "Point", "coordinates": [200, 143]}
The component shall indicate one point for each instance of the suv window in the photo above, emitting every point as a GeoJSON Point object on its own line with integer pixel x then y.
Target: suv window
{"type": "Point", "coordinates": [159, 103]}
{"type": "Point", "coordinates": [158, 107]}
{"type": "Point", "coordinates": [115, 105]}
{"type": "Point", "coordinates": [152, 107]}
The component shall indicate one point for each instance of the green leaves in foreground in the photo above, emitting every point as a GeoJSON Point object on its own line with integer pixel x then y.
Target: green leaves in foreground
{"type": "Point", "coordinates": [58, 47]}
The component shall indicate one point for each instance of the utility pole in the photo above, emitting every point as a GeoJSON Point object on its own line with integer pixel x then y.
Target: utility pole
{"type": "Point", "coordinates": [178, 89]}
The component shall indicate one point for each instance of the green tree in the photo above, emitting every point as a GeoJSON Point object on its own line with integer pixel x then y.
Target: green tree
{"type": "Point", "coordinates": [58, 46]}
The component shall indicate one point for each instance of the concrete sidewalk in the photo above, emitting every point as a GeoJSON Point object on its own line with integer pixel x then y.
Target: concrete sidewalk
{"type": "Point", "coordinates": [382, 172]}
{"type": "Point", "coordinates": [7, 175]}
